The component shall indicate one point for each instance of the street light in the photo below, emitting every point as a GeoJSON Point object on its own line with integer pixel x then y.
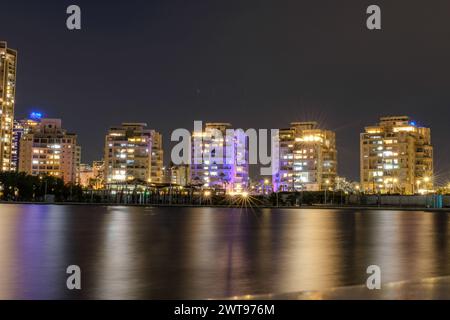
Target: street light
{"type": "Point", "coordinates": [425, 187]}
{"type": "Point", "coordinates": [205, 194]}
{"type": "Point", "coordinates": [327, 182]}
{"type": "Point", "coordinates": [266, 183]}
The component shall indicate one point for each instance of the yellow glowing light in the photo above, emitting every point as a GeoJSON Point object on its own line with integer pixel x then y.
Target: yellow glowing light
{"type": "Point", "coordinates": [310, 138]}
{"type": "Point", "coordinates": [407, 129]}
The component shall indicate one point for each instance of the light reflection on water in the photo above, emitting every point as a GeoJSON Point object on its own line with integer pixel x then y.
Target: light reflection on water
{"type": "Point", "coordinates": [152, 253]}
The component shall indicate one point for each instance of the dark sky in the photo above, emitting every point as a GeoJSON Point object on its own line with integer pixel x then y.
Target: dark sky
{"type": "Point", "coordinates": [258, 64]}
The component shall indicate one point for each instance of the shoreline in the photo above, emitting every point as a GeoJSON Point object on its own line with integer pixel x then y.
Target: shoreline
{"type": "Point", "coordinates": [409, 289]}
{"type": "Point", "coordinates": [309, 207]}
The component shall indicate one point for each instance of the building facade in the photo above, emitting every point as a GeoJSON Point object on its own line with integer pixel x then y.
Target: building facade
{"type": "Point", "coordinates": [180, 175]}
{"type": "Point", "coordinates": [396, 157]}
{"type": "Point", "coordinates": [21, 128]}
{"type": "Point", "coordinates": [86, 175]}
{"type": "Point", "coordinates": [8, 68]}
{"type": "Point", "coordinates": [307, 158]}
{"type": "Point", "coordinates": [98, 169]}
{"type": "Point", "coordinates": [157, 174]}
{"type": "Point", "coordinates": [220, 161]}
{"type": "Point", "coordinates": [47, 149]}
{"type": "Point", "coordinates": [128, 151]}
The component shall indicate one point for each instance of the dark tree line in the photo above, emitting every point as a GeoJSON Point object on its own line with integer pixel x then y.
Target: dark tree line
{"type": "Point", "coordinates": [23, 187]}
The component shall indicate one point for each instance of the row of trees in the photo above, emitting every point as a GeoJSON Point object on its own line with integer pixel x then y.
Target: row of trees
{"type": "Point", "coordinates": [23, 187]}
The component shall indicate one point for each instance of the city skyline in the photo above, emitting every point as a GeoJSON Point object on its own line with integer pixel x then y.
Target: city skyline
{"type": "Point", "coordinates": [396, 155]}
{"type": "Point", "coordinates": [195, 77]}
{"type": "Point", "coordinates": [218, 158]}
{"type": "Point", "coordinates": [306, 155]}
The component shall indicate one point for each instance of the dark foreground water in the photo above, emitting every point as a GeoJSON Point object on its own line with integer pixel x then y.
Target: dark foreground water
{"type": "Point", "coordinates": [154, 253]}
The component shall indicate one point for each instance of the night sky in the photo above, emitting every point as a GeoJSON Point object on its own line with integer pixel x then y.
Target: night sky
{"type": "Point", "coordinates": [256, 64]}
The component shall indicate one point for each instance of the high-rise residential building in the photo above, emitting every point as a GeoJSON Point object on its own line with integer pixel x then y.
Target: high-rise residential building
{"type": "Point", "coordinates": [396, 157]}
{"type": "Point", "coordinates": [8, 67]}
{"type": "Point", "coordinates": [21, 128]}
{"type": "Point", "coordinates": [128, 150]}
{"type": "Point", "coordinates": [180, 175]}
{"type": "Point", "coordinates": [220, 160]}
{"type": "Point", "coordinates": [307, 158]}
{"type": "Point", "coordinates": [48, 149]}
{"type": "Point", "coordinates": [157, 174]}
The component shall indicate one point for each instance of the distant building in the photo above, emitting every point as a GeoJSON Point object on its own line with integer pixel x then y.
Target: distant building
{"type": "Point", "coordinates": [221, 161]}
{"type": "Point", "coordinates": [157, 175]}
{"type": "Point", "coordinates": [47, 149]}
{"type": "Point", "coordinates": [180, 175]}
{"type": "Point", "coordinates": [308, 158]}
{"type": "Point", "coordinates": [86, 175]}
{"type": "Point", "coordinates": [98, 170]}
{"type": "Point", "coordinates": [21, 128]}
{"type": "Point", "coordinates": [128, 153]}
{"type": "Point", "coordinates": [396, 157]}
{"type": "Point", "coordinates": [8, 66]}
{"type": "Point", "coordinates": [167, 175]}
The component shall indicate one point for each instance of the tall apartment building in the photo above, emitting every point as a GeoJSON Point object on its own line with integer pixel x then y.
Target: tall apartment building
{"type": "Point", "coordinates": [128, 151]}
{"type": "Point", "coordinates": [20, 129]}
{"type": "Point", "coordinates": [396, 157]}
{"type": "Point", "coordinates": [47, 149]}
{"type": "Point", "coordinates": [219, 160]}
{"type": "Point", "coordinates": [8, 67]}
{"type": "Point", "coordinates": [307, 158]}
{"type": "Point", "coordinates": [157, 174]}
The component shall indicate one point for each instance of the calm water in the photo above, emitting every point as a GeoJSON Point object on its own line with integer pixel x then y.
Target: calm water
{"type": "Point", "coordinates": [148, 253]}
